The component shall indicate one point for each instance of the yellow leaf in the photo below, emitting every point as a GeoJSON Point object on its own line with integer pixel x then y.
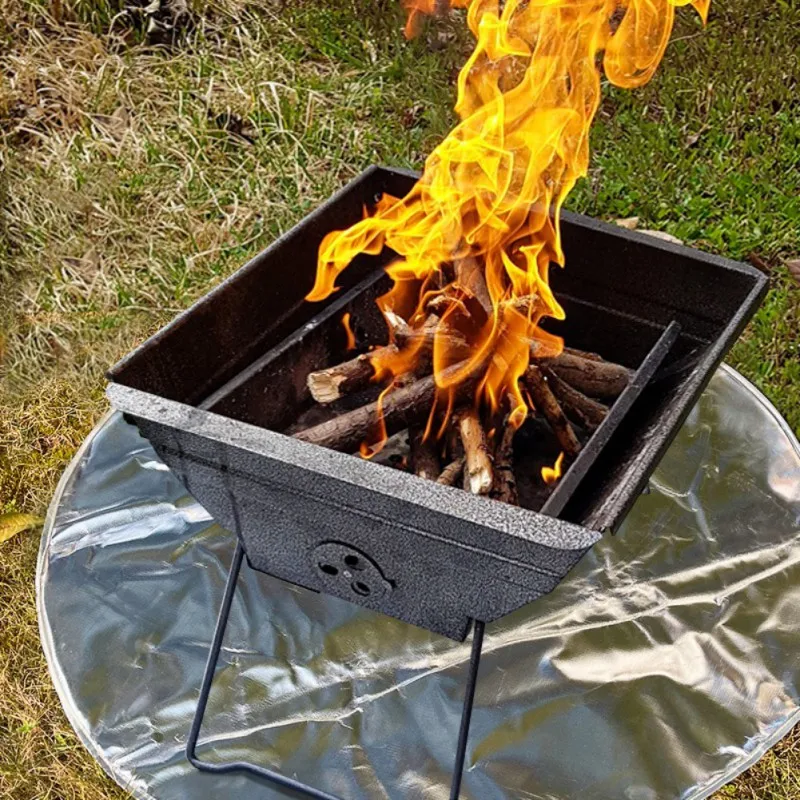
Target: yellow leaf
{"type": "Point", "coordinates": [13, 523]}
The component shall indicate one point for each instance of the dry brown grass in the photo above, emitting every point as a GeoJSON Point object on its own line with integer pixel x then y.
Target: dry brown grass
{"type": "Point", "coordinates": [136, 177]}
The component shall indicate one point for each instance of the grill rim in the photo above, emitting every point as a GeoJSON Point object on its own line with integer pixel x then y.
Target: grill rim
{"type": "Point", "coordinates": [475, 530]}
{"type": "Point", "coordinates": [616, 497]}
{"type": "Point", "coordinates": [519, 523]}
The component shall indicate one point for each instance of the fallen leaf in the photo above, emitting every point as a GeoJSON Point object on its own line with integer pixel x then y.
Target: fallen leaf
{"type": "Point", "coordinates": [630, 223]}
{"type": "Point", "coordinates": [85, 268]}
{"type": "Point", "coordinates": [35, 114]}
{"type": "Point", "coordinates": [122, 119]}
{"type": "Point", "coordinates": [759, 263]}
{"type": "Point", "coordinates": [411, 116]}
{"type": "Point", "coordinates": [60, 347]}
{"type": "Point", "coordinates": [114, 125]}
{"type": "Point", "coordinates": [235, 125]}
{"type": "Point", "coordinates": [693, 138]}
{"type": "Point", "coordinates": [793, 266]}
{"type": "Point", "coordinates": [13, 523]}
{"type": "Point", "coordinates": [663, 235]}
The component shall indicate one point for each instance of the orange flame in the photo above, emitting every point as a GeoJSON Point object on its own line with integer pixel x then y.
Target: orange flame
{"type": "Point", "coordinates": [477, 234]}
{"type": "Point", "coordinates": [351, 339]}
{"type": "Point", "coordinates": [551, 474]}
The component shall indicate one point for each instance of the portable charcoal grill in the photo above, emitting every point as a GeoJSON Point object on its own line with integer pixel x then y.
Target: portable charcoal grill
{"type": "Point", "coordinates": [214, 388]}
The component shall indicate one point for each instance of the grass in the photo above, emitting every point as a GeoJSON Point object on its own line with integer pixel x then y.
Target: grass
{"type": "Point", "coordinates": [134, 177]}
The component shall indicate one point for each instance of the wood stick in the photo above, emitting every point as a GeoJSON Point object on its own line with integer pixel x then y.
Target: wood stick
{"type": "Point", "coordinates": [577, 406]}
{"type": "Point", "coordinates": [401, 407]}
{"type": "Point", "coordinates": [424, 459]}
{"type": "Point", "coordinates": [589, 356]}
{"type": "Point", "coordinates": [522, 303]}
{"type": "Point", "coordinates": [451, 473]}
{"type": "Point", "coordinates": [442, 302]}
{"type": "Point", "coordinates": [478, 474]}
{"type": "Point", "coordinates": [469, 276]}
{"type": "Point", "coordinates": [546, 403]}
{"type": "Point", "coordinates": [595, 378]}
{"type": "Point", "coordinates": [327, 385]}
{"type": "Point", "coordinates": [540, 352]}
{"type": "Point", "coordinates": [505, 482]}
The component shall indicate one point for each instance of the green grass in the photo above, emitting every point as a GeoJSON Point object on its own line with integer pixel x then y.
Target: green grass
{"type": "Point", "coordinates": [710, 152]}
{"type": "Point", "coordinates": [134, 178]}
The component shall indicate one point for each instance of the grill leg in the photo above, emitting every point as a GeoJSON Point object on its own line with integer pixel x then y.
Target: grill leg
{"type": "Point", "coordinates": [466, 713]}
{"type": "Point", "coordinates": [275, 777]}
{"type": "Point", "coordinates": [205, 689]}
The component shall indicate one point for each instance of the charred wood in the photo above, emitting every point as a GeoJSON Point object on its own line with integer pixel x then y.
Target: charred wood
{"type": "Point", "coordinates": [547, 404]}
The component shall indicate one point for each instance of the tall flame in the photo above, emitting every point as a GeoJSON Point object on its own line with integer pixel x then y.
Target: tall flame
{"type": "Point", "coordinates": [491, 193]}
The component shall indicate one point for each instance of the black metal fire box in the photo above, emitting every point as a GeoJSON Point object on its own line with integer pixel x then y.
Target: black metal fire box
{"type": "Point", "coordinates": [215, 388]}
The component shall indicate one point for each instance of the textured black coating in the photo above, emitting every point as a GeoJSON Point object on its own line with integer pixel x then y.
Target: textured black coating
{"type": "Point", "coordinates": [205, 389]}
{"type": "Point", "coordinates": [447, 555]}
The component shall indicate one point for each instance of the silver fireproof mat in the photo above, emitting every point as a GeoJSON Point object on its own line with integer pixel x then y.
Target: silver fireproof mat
{"type": "Point", "coordinates": [665, 664]}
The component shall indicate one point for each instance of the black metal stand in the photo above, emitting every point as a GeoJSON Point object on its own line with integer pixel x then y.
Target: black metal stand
{"type": "Point", "coordinates": [275, 777]}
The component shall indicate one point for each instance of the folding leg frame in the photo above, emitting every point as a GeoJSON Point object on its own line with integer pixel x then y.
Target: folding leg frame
{"type": "Point", "coordinates": [275, 777]}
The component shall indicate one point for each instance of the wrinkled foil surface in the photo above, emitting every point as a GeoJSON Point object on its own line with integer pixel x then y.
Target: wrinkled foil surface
{"type": "Point", "coordinates": [666, 663]}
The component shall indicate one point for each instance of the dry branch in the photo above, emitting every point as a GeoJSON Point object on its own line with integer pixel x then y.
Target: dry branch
{"type": "Point", "coordinates": [546, 403]}
{"type": "Point", "coordinates": [451, 473]}
{"type": "Point", "coordinates": [478, 471]}
{"type": "Point", "coordinates": [469, 276]}
{"type": "Point", "coordinates": [505, 483]}
{"type": "Point", "coordinates": [424, 459]}
{"type": "Point", "coordinates": [595, 378]}
{"type": "Point", "coordinates": [577, 406]}
{"type": "Point", "coordinates": [327, 385]}
{"type": "Point", "coordinates": [401, 407]}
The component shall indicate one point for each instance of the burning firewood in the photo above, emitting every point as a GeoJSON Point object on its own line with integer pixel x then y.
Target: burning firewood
{"type": "Point", "coordinates": [562, 388]}
{"type": "Point", "coordinates": [424, 459]}
{"type": "Point", "coordinates": [523, 304]}
{"type": "Point", "coordinates": [577, 406]}
{"type": "Point", "coordinates": [469, 276]}
{"type": "Point", "coordinates": [545, 402]}
{"type": "Point", "coordinates": [451, 473]}
{"type": "Point", "coordinates": [505, 483]}
{"type": "Point", "coordinates": [595, 378]}
{"type": "Point", "coordinates": [328, 385]}
{"type": "Point", "coordinates": [478, 474]}
{"type": "Point", "coordinates": [399, 409]}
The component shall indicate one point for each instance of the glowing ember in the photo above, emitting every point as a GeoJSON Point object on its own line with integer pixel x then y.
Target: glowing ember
{"type": "Point", "coordinates": [477, 234]}
{"type": "Point", "coordinates": [351, 339]}
{"type": "Point", "coordinates": [551, 474]}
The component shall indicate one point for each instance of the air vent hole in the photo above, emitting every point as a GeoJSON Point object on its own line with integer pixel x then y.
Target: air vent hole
{"type": "Point", "coordinates": [329, 569]}
{"type": "Point", "coordinates": [359, 587]}
{"type": "Point", "coordinates": [353, 562]}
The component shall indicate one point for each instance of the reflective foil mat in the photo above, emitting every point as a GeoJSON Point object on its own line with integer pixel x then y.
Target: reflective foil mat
{"type": "Point", "coordinates": [665, 664]}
